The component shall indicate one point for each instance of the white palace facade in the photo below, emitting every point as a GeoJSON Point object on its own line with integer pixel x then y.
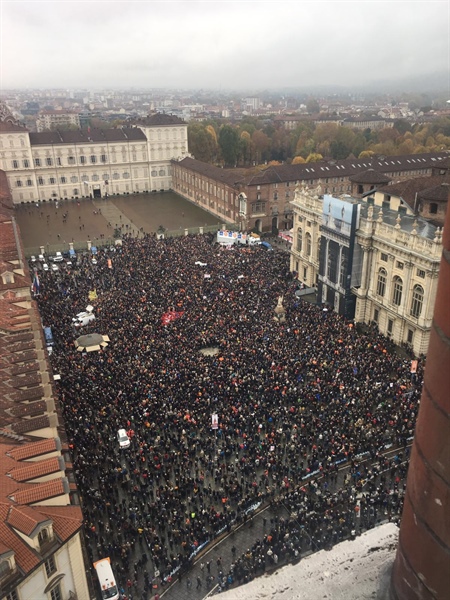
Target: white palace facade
{"type": "Point", "coordinates": [394, 262]}
{"type": "Point", "coordinates": [53, 165]}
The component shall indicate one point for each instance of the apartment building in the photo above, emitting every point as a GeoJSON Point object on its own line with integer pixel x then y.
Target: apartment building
{"type": "Point", "coordinates": [55, 119]}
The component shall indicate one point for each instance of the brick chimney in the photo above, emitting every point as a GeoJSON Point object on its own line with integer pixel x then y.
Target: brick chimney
{"type": "Point", "coordinates": [422, 565]}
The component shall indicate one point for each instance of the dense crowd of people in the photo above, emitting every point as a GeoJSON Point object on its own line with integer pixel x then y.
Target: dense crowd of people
{"type": "Point", "coordinates": [292, 399]}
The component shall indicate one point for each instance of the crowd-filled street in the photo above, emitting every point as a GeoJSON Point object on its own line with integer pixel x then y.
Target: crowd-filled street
{"type": "Point", "coordinates": [294, 414]}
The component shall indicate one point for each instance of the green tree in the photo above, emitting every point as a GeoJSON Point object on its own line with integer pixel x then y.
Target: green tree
{"type": "Point", "coordinates": [229, 144]}
{"type": "Point", "coordinates": [312, 106]}
{"type": "Point", "coordinates": [200, 142]}
{"type": "Point", "coordinates": [402, 126]}
{"type": "Point", "coordinates": [260, 146]}
{"type": "Point", "coordinates": [314, 157]}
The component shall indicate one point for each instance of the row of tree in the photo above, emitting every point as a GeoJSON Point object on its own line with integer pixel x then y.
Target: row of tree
{"type": "Point", "coordinates": [254, 142]}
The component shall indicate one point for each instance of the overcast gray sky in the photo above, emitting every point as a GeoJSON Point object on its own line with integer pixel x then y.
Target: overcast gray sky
{"type": "Point", "coordinates": [227, 44]}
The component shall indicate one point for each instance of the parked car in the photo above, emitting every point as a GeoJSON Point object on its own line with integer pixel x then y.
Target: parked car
{"type": "Point", "coordinates": [94, 261]}
{"type": "Point", "coordinates": [58, 257]}
{"type": "Point", "coordinates": [124, 440]}
{"type": "Point", "coordinates": [33, 259]}
{"type": "Point", "coordinates": [41, 258]}
{"type": "Point", "coordinates": [55, 267]}
{"type": "Point", "coordinates": [45, 266]}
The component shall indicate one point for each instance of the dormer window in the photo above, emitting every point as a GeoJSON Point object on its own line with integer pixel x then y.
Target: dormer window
{"type": "Point", "coordinates": [45, 536]}
{"type": "Point", "coordinates": [7, 277]}
{"type": "Point", "coordinates": [7, 567]}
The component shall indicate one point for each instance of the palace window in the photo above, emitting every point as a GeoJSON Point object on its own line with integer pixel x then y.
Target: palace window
{"type": "Point", "coordinates": [417, 301]}
{"type": "Point", "coordinates": [37, 162]}
{"type": "Point", "coordinates": [397, 291]}
{"type": "Point", "coordinates": [40, 180]}
{"type": "Point", "coordinates": [299, 239]}
{"type": "Point", "coordinates": [50, 566]}
{"type": "Point", "coordinates": [18, 183]}
{"type": "Point", "coordinates": [48, 162]}
{"type": "Point", "coordinates": [93, 158]}
{"type": "Point", "coordinates": [52, 180]}
{"type": "Point", "coordinates": [63, 179]}
{"type": "Point", "coordinates": [74, 179]}
{"type": "Point", "coordinates": [55, 593]}
{"type": "Point", "coordinates": [308, 244]}
{"type": "Point", "coordinates": [15, 164]}
{"type": "Point", "coordinates": [421, 273]}
{"type": "Point", "coordinates": [82, 160]}
{"type": "Point", "coordinates": [381, 282]}
{"type": "Point", "coordinates": [103, 158]}
{"type": "Point", "coordinates": [26, 163]}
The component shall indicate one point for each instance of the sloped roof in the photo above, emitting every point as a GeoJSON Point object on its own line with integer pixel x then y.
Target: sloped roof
{"type": "Point", "coordinates": [85, 136]}
{"type": "Point", "coordinates": [37, 492]}
{"type": "Point", "coordinates": [7, 126]}
{"type": "Point", "coordinates": [438, 193]}
{"type": "Point", "coordinates": [25, 519]}
{"type": "Point", "coordinates": [160, 119]}
{"type": "Point", "coordinates": [407, 190]}
{"type": "Point", "coordinates": [36, 469]}
{"type": "Point", "coordinates": [370, 176]}
{"type": "Point", "coordinates": [228, 176]}
{"type": "Point", "coordinates": [33, 449]}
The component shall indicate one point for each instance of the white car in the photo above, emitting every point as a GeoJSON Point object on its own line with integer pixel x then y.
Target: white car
{"type": "Point", "coordinates": [33, 259]}
{"type": "Point", "coordinates": [94, 261]}
{"type": "Point", "coordinates": [55, 267]}
{"type": "Point", "coordinates": [45, 266]}
{"type": "Point", "coordinates": [58, 257]}
{"type": "Point", "coordinates": [124, 440]}
{"type": "Point", "coordinates": [41, 258]}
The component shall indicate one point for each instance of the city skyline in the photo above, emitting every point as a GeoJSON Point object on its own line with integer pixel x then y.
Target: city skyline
{"type": "Point", "coordinates": [222, 45]}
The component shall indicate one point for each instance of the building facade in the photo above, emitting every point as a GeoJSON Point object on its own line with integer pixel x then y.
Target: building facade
{"type": "Point", "coordinates": [54, 119]}
{"type": "Point", "coordinates": [384, 271]}
{"type": "Point", "coordinates": [40, 516]}
{"type": "Point", "coordinates": [55, 165]}
{"type": "Point", "coordinates": [269, 192]}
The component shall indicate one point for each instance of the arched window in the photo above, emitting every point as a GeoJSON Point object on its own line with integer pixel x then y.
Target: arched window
{"type": "Point", "coordinates": [417, 301]}
{"type": "Point", "coordinates": [299, 239]}
{"type": "Point", "coordinates": [397, 291]}
{"type": "Point", "coordinates": [381, 282]}
{"type": "Point", "coordinates": [308, 244]}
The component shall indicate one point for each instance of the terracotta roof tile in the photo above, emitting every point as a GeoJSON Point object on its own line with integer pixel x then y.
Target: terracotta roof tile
{"type": "Point", "coordinates": [34, 470]}
{"type": "Point", "coordinates": [67, 520]}
{"type": "Point", "coordinates": [34, 449]}
{"type": "Point", "coordinates": [26, 558]}
{"type": "Point", "coordinates": [27, 425]}
{"type": "Point", "coordinates": [37, 492]}
{"type": "Point", "coordinates": [25, 519]}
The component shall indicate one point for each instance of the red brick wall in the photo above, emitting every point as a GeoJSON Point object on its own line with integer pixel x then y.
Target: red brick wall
{"type": "Point", "coordinates": [422, 565]}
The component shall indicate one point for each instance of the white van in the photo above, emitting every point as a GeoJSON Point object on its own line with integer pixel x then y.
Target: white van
{"type": "Point", "coordinates": [124, 440]}
{"type": "Point", "coordinates": [106, 578]}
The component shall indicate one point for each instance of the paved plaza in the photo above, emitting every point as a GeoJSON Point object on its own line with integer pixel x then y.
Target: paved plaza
{"type": "Point", "coordinates": [51, 224]}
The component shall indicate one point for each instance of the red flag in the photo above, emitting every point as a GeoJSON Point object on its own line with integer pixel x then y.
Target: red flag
{"type": "Point", "coordinates": [170, 316]}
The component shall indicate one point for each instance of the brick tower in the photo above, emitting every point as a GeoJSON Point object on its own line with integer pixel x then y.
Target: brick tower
{"type": "Point", "coordinates": [422, 565]}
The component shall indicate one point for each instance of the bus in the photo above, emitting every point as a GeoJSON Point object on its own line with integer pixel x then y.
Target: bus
{"type": "Point", "coordinates": [106, 578]}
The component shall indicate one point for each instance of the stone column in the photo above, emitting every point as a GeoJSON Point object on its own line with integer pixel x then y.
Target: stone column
{"type": "Point", "coordinates": [421, 569]}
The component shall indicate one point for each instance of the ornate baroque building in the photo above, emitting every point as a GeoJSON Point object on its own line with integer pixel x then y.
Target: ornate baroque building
{"type": "Point", "coordinates": [385, 272]}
